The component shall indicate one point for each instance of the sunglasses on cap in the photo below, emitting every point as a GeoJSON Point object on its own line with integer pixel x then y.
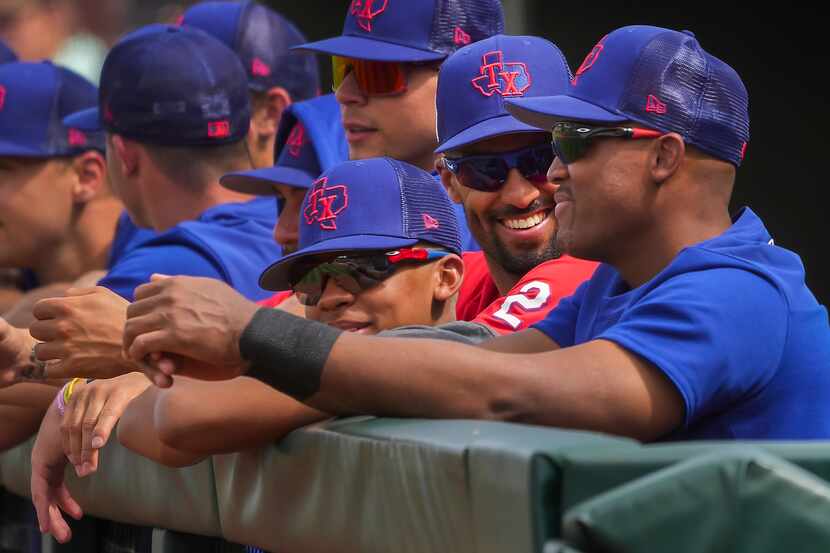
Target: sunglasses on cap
{"type": "Point", "coordinates": [354, 273]}
{"type": "Point", "coordinates": [373, 78]}
{"type": "Point", "coordinates": [571, 141]}
{"type": "Point", "coordinates": [489, 172]}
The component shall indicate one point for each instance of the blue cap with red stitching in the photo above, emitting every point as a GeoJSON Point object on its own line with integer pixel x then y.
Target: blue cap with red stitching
{"type": "Point", "coordinates": [660, 78]}
{"type": "Point", "coordinates": [297, 166]}
{"type": "Point", "coordinates": [262, 38]}
{"type": "Point", "coordinates": [412, 30]}
{"type": "Point", "coordinates": [474, 83]}
{"type": "Point", "coordinates": [34, 99]}
{"type": "Point", "coordinates": [369, 205]}
{"type": "Point", "coordinates": [172, 86]}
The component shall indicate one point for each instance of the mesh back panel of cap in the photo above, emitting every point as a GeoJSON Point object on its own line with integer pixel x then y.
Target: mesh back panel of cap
{"type": "Point", "coordinates": [699, 104]}
{"type": "Point", "coordinates": [478, 18]}
{"type": "Point", "coordinates": [267, 35]}
{"type": "Point", "coordinates": [422, 195]}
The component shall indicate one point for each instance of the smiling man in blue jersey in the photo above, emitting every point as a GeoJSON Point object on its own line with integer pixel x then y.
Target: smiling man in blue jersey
{"type": "Point", "coordinates": [385, 67]}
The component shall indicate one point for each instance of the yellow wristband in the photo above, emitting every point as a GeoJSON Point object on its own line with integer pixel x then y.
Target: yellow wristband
{"type": "Point", "coordinates": [67, 392]}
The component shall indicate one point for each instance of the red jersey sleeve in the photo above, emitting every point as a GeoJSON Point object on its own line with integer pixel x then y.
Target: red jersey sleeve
{"type": "Point", "coordinates": [539, 291]}
{"type": "Point", "coordinates": [276, 299]}
{"type": "Point", "coordinates": [477, 289]}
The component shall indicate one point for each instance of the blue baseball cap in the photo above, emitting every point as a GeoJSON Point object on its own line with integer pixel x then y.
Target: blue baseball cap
{"type": "Point", "coordinates": [34, 99]}
{"type": "Point", "coordinates": [412, 30]}
{"type": "Point", "coordinates": [172, 86]}
{"type": "Point", "coordinates": [371, 204]}
{"type": "Point", "coordinates": [475, 81]}
{"type": "Point", "coordinates": [6, 54]}
{"type": "Point", "coordinates": [297, 166]}
{"type": "Point", "coordinates": [262, 39]}
{"type": "Point", "coordinates": [659, 78]}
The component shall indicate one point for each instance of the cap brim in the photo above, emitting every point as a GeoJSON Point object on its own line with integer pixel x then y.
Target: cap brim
{"type": "Point", "coordinates": [497, 126]}
{"type": "Point", "coordinates": [369, 49]}
{"type": "Point", "coordinates": [261, 181]}
{"type": "Point", "coordinates": [85, 120]}
{"type": "Point", "coordinates": [11, 149]}
{"type": "Point", "coordinates": [543, 111]}
{"type": "Point", "coordinates": [275, 277]}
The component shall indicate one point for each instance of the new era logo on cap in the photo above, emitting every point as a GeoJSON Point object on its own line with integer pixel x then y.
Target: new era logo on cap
{"type": "Point", "coordinates": [366, 10]}
{"type": "Point", "coordinates": [76, 138]}
{"type": "Point", "coordinates": [259, 68]}
{"type": "Point", "coordinates": [499, 77]}
{"type": "Point", "coordinates": [654, 105]}
{"type": "Point", "coordinates": [325, 203]}
{"type": "Point", "coordinates": [296, 140]}
{"type": "Point", "coordinates": [460, 37]}
{"type": "Point", "coordinates": [219, 129]}
{"type": "Point", "coordinates": [430, 222]}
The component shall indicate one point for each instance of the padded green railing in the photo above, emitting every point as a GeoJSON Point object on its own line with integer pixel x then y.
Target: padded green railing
{"type": "Point", "coordinates": [366, 484]}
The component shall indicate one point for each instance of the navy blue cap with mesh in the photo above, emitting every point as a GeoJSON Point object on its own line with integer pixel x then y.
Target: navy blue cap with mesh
{"type": "Point", "coordinates": [369, 205]}
{"type": "Point", "coordinates": [412, 30]}
{"type": "Point", "coordinates": [171, 86]}
{"type": "Point", "coordinates": [659, 78]}
{"type": "Point", "coordinates": [34, 99]}
{"type": "Point", "coordinates": [262, 38]}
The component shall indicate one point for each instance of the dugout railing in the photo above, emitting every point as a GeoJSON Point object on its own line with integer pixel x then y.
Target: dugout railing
{"type": "Point", "coordinates": [378, 485]}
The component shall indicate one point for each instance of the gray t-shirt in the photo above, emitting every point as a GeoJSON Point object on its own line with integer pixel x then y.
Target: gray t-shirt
{"type": "Point", "coordinates": [457, 331]}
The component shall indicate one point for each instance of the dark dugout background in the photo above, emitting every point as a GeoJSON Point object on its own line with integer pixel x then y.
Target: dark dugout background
{"type": "Point", "coordinates": [781, 58]}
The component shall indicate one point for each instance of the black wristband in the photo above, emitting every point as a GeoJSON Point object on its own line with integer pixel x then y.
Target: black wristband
{"type": "Point", "coordinates": [287, 352]}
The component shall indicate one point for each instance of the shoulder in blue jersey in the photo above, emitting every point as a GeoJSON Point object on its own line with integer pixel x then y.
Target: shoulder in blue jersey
{"type": "Point", "coordinates": [231, 242]}
{"type": "Point", "coordinates": [731, 323]}
{"type": "Point", "coordinates": [127, 236]}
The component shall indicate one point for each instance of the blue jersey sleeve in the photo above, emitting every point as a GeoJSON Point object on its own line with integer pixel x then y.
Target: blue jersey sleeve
{"type": "Point", "coordinates": [718, 335]}
{"type": "Point", "coordinates": [560, 323]}
{"type": "Point", "coordinates": [136, 267]}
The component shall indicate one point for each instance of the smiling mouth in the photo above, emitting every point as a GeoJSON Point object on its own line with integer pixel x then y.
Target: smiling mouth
{"type": "Point", "coordinates": [349, 326]}
{"type": "Point", "coordinates": [527, 222]}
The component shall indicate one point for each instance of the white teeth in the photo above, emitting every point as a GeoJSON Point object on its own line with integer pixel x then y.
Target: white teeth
{"type": "Point", "coordinates": [521, 224]}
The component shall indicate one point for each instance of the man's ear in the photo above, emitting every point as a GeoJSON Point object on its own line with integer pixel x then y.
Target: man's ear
{"type": "Point", "coordinates": [90, 171]}
{"type": "Point", "coordinates": [668, 154]}
{"type": "Point", "coordinates": [449, 272]}
{"type": "Point", "coordinates": [268, 109]}
{"type": "Point", "coordinates": [127, 154]}
{"type": "Point", "coordinates": [448, 180]}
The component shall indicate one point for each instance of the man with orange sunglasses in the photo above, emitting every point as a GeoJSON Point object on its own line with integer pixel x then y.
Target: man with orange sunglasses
{"type": "Point", "coordinates": [385, 67]}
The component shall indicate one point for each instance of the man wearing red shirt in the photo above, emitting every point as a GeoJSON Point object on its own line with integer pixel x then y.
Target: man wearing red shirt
{"type": "Point", "coordinates": [496, 167]}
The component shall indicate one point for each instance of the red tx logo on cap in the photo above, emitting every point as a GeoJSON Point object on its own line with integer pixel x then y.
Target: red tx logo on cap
{"type": "Point", "coordinates": [324, 203]}
{"type": "Point", "coordinates": [497, 76]}
{"type": "Point", "coordinates": [366, 10]}
{"type": "Point", "coordinates": [2, 96]}
{"type": "Point", "coordinates": [295, 140]}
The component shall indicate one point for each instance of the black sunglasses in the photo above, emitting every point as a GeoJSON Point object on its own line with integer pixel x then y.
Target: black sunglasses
{"type": "Point", "coordinates": [571, 141]}
{"type": "Point", "coordinates": [488, 173]}
{"type": "Point", "coordinates": [354, 273]}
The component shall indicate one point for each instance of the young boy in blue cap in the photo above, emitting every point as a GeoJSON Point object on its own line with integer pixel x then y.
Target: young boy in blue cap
{"type": "Point", "coordinates": [385, 67]}
{"type": "Point", "coordinates": [696, 326]}
{"type": "Point", "coordinates": [277, 77]}
{"type": "Point", "coordinates": [379, 249]}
